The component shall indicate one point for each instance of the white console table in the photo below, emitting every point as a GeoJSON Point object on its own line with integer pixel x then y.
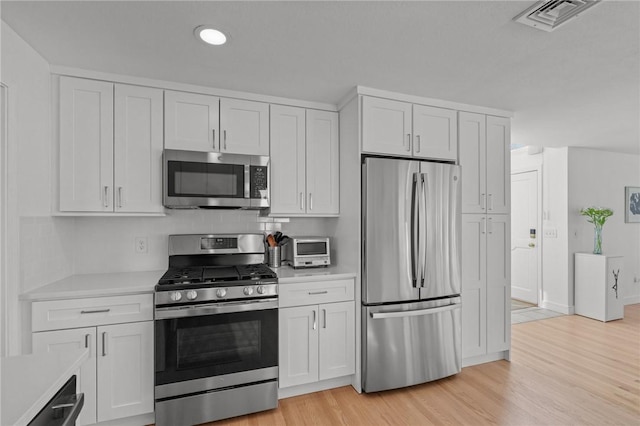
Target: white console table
{"type": "Point", "coordinates": [597, 286]}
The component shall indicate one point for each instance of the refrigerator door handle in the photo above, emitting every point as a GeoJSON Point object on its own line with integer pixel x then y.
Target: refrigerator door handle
{"type": "Point", "coordinates": [423, 234]}
{"type": "Point", "coordinates": [414, 230]}
{"type": "Point", "coordinates": [418, 312]}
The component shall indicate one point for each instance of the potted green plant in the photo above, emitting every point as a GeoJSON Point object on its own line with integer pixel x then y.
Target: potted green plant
{"type": "Point", "coordinates": [598, 216]}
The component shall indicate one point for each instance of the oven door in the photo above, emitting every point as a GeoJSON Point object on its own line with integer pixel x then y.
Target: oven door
{"type": "Point", "coordinates": [222, 339]}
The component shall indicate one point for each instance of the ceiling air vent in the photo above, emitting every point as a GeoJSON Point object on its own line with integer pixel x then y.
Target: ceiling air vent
{"type": "Point", "coordinates": [550, 14]}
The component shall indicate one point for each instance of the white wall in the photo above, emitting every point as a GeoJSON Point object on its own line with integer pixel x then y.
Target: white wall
{"type": "Point", "coordinates": [39, 243]}
{"type": "Point", "coordinates": [598, 178]}
{"type": "Point", "coordinates": [555, 251]}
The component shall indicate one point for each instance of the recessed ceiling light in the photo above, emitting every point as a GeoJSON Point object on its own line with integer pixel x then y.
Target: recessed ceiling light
{"type": "Point", "coordinates": [210, 35]}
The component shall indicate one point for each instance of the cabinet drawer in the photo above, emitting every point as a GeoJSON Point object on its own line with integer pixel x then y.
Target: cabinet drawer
{"type": "Point", "coordinates": [75, 313]}
{"type": "Point", "coordinates": [312, 293]}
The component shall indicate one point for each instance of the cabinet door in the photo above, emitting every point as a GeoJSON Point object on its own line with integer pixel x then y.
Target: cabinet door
{"type": "Point", "coordinates": [125, 370]}
{"type": "Point", "coordinates": [86, 145]}
{"type": "Point", "coordinates": [288, 160]}
{"type": "Point", "coordinates": [474, 285]}
{"type": "Point", "coordinates": [498, 283]}
{"type": "Point", "coordinates": [386, 126]}
{"type": "Point", "coordinates": [473, 159]}
{"type": "Point", "coordinates": [138, 149]}
{"type": "Point", "coordinates": [244, 126]}
{"type": "Point", "coordinates": [323, 168]}
{"type": "Point", "coordinates": [77, 338]}
{"type": "Point", "coordinates": [435, 133]}
{"type": "Point", "coordinates": [498, 164]}
{"type": "Point", "coordinates": [337, 340]}
{"type": "Point", "coordinates": [298, 345]}
{"type": "Point", "coordinates": [191, 121]}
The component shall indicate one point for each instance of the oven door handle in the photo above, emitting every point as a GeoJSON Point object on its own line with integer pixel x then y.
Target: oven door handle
{"type": "Point", "coordinates": [215, 308]}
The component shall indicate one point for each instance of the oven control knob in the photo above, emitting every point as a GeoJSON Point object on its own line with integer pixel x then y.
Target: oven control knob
{"type": "Point", "coordinates": [260, 289]}
{"type": "Point", "coordinates": [221, 292]}
{"type": "Point", "coordinates": [175, 296]}
{"type": "Point", "coordinates": [248, 291]}
{"type": "Point", "coordinates": [192, 294]}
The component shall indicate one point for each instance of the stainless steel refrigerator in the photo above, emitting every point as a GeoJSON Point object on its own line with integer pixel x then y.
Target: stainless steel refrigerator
{"type": "Point", "coordinates": [411, 306]}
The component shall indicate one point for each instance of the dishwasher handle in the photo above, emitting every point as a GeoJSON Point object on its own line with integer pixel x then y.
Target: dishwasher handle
{"type": "Point", "coordinates": [415, 313]}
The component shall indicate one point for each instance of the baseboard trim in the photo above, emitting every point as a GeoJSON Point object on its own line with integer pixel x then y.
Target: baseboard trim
{"type": "Point", "coordinates": [314, 387]}
{"type": "Point", "coordinates": [632, 300]}
{"type": "Point", "coordinates": [556, 307]}
{"type": "Point", "coordinates": [482, 359]}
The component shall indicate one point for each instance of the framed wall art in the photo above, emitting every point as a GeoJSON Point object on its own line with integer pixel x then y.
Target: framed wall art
{"type": "Point", "coordinates": [632, 204]}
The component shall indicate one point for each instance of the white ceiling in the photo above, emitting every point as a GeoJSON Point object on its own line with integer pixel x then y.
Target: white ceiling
{"type": "Point", "coordinates": [576, 86]}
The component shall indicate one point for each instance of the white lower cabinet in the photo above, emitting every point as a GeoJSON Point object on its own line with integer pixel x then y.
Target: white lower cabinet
{"type": "Point", "coordinates": [316, 341]}
{"type": "Point", "coordinates": [117, 379]}
{"type": "Point", "coordinates": [486, 291]}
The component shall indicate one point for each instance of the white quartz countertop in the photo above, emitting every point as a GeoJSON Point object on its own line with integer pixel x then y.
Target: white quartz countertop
{"type": "Point", "coordinates": [96, 285]}
{"type": "Point", "coordinates": [30, 381]}
{"type": "Point", "coordinates": [288, 275]}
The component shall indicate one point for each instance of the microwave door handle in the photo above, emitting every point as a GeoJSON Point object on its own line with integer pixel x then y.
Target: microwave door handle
{"type": "Point", "coordinates": [247, 185]}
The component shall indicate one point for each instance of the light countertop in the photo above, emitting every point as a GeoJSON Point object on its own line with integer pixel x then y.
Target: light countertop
{"type": "Point", "coordinates": [96, 285]}
{"type": "Point", "coordinates": [288, 275]}
{"type": "Point", "coordinates": [30, 381]}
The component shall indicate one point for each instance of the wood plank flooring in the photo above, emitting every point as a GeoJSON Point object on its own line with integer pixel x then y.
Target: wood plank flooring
{"type": "Point", "coordinates": [568, 370]}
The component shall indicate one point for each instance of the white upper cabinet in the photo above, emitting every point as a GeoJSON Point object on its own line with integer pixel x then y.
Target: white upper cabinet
{"type": "Point", "coordinates": [244, 126]}
{"type": "Point", "coordinates": [110, 147]}
{"type": "Point", "coordinates": [288, 160]}
{"type": "Point", "coordinates": [435, 133]}
{"type": "Point", "coordinates": [484, 156]}
{"type": "Point", "coordinates": [400, 128]}
{"type": "Point", "coordinates": [191, 121]}
{"type": "Point", "coordinates": [498, 164]}
{"type": "Point", "coordinates": [304, 162]}
{"type": "Point", "coordinates": [386, 126]}
{"type": "Point", "coordinates": [86, 145]}
{"type": "Point", "coordinates": [138, 149]}
{"type": "Point", "coordinates": [323, 171]}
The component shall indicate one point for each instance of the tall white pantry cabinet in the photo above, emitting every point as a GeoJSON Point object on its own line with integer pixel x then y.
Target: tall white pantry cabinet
{"type": "Point", "coordinates": [484, 145]}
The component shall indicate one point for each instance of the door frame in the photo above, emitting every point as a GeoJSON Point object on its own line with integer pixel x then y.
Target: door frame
{"type": "Point", "coordinates": [539, 169]}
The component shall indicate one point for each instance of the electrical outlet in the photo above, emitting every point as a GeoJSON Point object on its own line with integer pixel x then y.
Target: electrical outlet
{"type": "Point", "coordinates": [551, 233]}
{"type": "Point", "coordinates": [141, 245]}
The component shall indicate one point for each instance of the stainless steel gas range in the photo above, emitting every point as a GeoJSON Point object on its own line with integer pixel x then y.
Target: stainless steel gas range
{"type": "Point", "coordinates": [216, 330]}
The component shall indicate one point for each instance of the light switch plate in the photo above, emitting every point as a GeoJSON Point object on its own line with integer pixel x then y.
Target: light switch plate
{"type": "Point", "coordinates": [551, 233]}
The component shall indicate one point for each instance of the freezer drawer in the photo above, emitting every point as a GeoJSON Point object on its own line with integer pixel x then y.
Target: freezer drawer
{"type": "Point", "coordinates": [412, 343]}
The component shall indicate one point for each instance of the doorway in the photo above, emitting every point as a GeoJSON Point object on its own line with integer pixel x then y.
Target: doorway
{"type": "Point", "coordinates": [525, 227]}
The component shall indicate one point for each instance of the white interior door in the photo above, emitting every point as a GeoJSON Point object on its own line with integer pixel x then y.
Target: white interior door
{"type": "Point", "coordinates": [525, 250]}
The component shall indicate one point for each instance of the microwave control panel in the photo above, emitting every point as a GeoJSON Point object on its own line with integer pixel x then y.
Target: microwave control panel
{"type": "Point", "coordinates": [258, 181]}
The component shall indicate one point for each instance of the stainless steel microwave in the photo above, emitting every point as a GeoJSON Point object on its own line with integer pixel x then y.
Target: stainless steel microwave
{"type": "Point", "coordinates": [193, 179]}
{"type": "Point", "coordinates": [307, 252]}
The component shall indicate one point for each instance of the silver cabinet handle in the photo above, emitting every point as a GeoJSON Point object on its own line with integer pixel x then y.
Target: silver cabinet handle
{"type": "Point", "coordinates": [225, 139]}
{"type": "Point", "coordinates": [318, 292]}
{"type": "Point", "coordinates": [483, 201]}
{"type": "Point", "coordinates": [104, 343]}
{"type": "Point", "coordinates": [302, 201]}
{"type": "Point", "coordinates": [417, 143]}
{"type": "Point", "coordinates": [408, 141]}
{"type": "Point", "coordinates": [315, 325]}
{"type": "Point", "coordinates": [310, 201]}
{"type": "Point", "coordinates": [95, 311]}
{"type": "Point", "coordinates": [120, 197]}
{"type": "Point", "coordinates": [324, 313]}
{"type": "Point", "coordinates": [214, 139]}
{"type": "Point", "coordinates": [490, 201]}
{"type": "Point", "coordinates": [86, 340]}
{"type": "Point", "coordinates": [484, 225]}
{"type": "Point", "coordinates": [106, 196]}
{"type": "Point", "coordinates": [489, 226]}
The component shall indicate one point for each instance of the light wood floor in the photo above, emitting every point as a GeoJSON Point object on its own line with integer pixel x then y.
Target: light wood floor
{"type": "Point", "coordinates": [568, 370]}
